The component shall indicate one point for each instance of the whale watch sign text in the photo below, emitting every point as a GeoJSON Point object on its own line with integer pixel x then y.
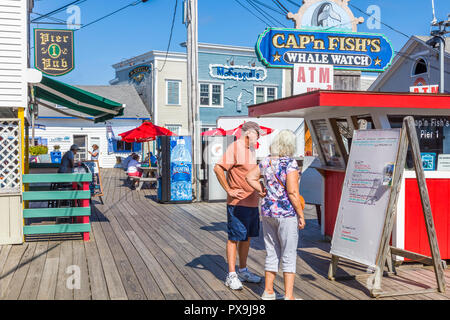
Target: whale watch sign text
{"type": "Point", "coordinates": [283, 48]}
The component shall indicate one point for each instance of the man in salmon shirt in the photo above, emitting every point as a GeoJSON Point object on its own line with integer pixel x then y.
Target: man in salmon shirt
{"type": "Point", "coordinates": [242, 203]}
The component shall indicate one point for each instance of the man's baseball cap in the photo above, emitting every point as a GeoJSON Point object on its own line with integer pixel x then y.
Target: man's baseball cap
{"type": "Point", "coordinates": [74, 147]}
{"type": "Point", "coordinates": [250, 125]}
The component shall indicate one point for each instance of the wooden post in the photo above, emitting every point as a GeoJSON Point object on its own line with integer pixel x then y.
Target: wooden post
{"type": "Point", "coordinates": [391, 210]}
{"type": "Point", "coordinates": [425, 199]}
{"type": "Point", "coordinates": [85, 204]}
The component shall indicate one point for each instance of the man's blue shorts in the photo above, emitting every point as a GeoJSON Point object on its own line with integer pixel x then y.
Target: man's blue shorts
{"type": "Point", "coordinates": [243, 222]}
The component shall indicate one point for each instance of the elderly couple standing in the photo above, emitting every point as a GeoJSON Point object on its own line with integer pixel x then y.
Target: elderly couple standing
{"type": "Point", "coordinates": [281, 207]}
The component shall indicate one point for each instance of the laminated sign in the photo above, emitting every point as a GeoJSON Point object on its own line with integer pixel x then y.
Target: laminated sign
{"type": "Point", "coordinates": [53, 51]}
{"type": "Point", "coordinates": [283, 48]}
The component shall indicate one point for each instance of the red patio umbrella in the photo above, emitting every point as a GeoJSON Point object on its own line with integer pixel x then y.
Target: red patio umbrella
{"type": "Point", "coordinates": [238, 131]}
{"type": "Point", "coordinates": [145, 132]}
{"type": "Point", "coordinates": [214, 132]}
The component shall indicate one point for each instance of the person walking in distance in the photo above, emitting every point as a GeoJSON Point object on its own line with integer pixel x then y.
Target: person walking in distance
{"type": "Point", "coordinates": [242, 203]}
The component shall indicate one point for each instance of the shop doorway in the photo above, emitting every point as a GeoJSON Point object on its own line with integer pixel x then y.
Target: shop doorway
{"type": "Point", "coordinates": [81, 141]}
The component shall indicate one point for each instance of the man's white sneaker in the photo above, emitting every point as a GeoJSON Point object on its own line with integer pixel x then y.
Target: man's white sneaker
{"type": "Point", "coordinates": [268, 296]}
{"type": "Point", "coordinates": [247, 276]}
{"type": "Point", "coordinates": [233, 282]}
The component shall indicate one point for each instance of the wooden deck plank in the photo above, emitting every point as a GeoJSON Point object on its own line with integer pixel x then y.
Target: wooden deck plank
{"type": "Point", "coordinates": [142, 249]}
{"type": "Point", "coordinates": [99, 288]}
{"type": "Point", "coordinates": [31, 286]}
{"type": "Point", "coordinates": [129, 279]}
{"type": "Point", "coordinates": [147, 281]}
{"type": "Point", "coordinates": [83, 292]}
{"type": "Point", "coordinates": [13, 291]}
{"type": "Point", "coordinates": [180, 250]}
{"type": "Point", "coordinates": [62, 292]}
{"type": "Point", "coordinates": [13, 258]}
{"type": "Point", "coordinates": [3, 256]}
{"type": "Point", "coordinates": [167, 226]}
{"type": "Point", "coordinates": [47, 286]}
{"type": "Point", "coordinates": [183, 286]}
{"type": "Point", "coordinates": [116, 289]}
{"type": "Point", "coordinates": [256, 259]}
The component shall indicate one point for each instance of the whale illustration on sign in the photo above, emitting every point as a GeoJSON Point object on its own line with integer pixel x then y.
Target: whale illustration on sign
{"type": "Point", "coordinates": [325, 14]}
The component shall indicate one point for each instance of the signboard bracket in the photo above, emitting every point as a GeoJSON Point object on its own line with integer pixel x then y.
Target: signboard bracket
{"type": "Point", "coordinates": [386, 252]}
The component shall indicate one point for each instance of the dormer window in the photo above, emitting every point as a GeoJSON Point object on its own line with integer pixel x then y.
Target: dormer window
{"type": "Point", "coordinates": [420, 67]}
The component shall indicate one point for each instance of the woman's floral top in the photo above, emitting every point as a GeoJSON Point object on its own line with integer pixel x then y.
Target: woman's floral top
{"type": "Point", "coordinates": [276, 202]}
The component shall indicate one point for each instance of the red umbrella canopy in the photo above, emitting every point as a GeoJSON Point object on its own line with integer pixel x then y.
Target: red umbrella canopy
{"type": "Point", "coordinates": [238, 131]}
{"type": "Point", "coordinates": [215, 132]}
{"type": "Point", "coordinates": [145, 132]}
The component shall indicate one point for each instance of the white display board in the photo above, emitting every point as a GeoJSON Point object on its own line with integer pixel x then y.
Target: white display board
{"type": "Point", "coordinates": [365, 195]}
{"type": "Point", "coordinates": [312, 77]}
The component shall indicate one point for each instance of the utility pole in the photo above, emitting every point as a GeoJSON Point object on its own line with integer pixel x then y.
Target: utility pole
{"type": "Point", "coordinates": [191, 20]}
{"type": "Point", "coordinates": [439, 37]}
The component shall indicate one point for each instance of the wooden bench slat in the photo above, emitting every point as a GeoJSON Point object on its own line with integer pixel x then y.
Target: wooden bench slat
{"type": "Point", "coordinates": [56, 212]}
{"type": "Point", "coordinates": [56, 195]}
{"type": "Point", "coordinates": [57, 228]}
{"type": "Point", "coordinates": [57, 177]}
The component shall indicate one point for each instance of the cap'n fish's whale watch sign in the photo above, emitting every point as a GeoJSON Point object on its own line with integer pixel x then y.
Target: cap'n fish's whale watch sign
{"type": "Point", "coordinates": [282, 48]}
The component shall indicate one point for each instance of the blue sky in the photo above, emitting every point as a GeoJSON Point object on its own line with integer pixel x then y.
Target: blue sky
{"type": "Point", "coordinates": [146, 26]}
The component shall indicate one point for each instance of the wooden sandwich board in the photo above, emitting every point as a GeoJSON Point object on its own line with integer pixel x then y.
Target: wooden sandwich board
{"type": "Point", "coordinates": [385, 251]}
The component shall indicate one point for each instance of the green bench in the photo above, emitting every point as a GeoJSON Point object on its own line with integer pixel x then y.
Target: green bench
{"type": "Point", "coordinates": [81, 213]}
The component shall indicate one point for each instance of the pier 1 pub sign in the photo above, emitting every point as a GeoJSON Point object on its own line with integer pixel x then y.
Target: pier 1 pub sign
{"type": "Point", "coordinates": [325, 33]}
{"type": "Point", "coordinates": [53, 51]}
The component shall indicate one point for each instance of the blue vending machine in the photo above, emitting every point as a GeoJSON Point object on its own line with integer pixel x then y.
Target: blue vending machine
{"type": "Point", "coordinates": [174, 169]}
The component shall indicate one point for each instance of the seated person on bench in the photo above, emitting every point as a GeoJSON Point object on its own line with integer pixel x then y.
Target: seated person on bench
{"type": "Point", "coordinates": [134, 165]}
{"type": "Point", "coordinates": [126, 161]}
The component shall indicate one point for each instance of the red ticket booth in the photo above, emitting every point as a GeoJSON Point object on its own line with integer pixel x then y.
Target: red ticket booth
{"type": "Point", "coordinates": [332, 116]}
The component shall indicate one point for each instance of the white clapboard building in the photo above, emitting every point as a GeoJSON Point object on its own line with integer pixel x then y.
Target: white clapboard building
{"type": "Point", "coordinates": [54, 128]}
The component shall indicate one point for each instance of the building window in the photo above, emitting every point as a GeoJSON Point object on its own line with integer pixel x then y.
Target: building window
{"type": "Point", "coordinates": [265, 94]}
{"type": "Point", "coordinates": [420, 67]}
{"type": "Point", "coordinates": [175, 128]}
{"type": "Point", "coordinates": [173, 92]}
{"type": "Point", "coordinates": [126, 147]}
{"type": "Point", "coordinates": [432, 133]}
{"type": "Point", "coordinates": [211, 95]}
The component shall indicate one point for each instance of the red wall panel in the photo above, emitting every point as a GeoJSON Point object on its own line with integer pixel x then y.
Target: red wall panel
{"type": "Point", "coordinates": [416, 239]}
{"type": "Point", "coordinates": [333, 190]}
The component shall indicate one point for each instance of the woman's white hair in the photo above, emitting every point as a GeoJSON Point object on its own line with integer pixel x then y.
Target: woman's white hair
{"type": "Point", "coordinates": [284, 144]}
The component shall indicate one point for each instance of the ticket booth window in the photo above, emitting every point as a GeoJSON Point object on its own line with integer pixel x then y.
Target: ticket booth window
{"type": "Point", "coordinates": [432, 133]}
{"type": "Point", "coordinates": [326, 143]}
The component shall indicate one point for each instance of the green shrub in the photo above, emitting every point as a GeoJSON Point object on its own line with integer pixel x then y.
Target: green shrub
{"type": "Point", "coordinates": [37, 150]}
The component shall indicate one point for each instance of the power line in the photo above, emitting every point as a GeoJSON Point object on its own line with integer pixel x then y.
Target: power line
{"type": "Point", "coordinates": [170, 37]}
{"type": "Point", "coordinates": [279, 5]}
{"type": "Point", "coordinates": [362, 11]}
{"type": "Point", "coordinates": [110, 14]}
{"type": "Point", "coordinates": [57, 10]}
{"type": "Point", "coordinates": [268, 16]}
{"type": "Point", "coordinates": [269, 7]}
{"type": "Point", "coordinates": [265, 23]}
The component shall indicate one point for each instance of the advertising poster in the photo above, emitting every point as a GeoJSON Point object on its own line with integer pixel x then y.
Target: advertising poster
{"type": "Point", "coordinates": [365, 195]}
{"type": "Point", "coordinates": [180, 168]}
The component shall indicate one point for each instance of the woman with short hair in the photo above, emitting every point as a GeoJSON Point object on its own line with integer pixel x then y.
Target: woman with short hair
{"type": "Point", "coordinates": [281, 210]}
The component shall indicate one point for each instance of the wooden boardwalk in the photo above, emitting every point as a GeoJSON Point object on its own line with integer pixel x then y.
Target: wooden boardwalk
{"type": "Point", "coordinates": [140, 249]}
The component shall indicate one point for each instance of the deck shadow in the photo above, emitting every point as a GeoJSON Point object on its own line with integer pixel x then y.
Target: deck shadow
{"type": "Point", "coordinates": [22, 263]}
{"type": "Point", "coordinates": [212, 263]}
{"type": "Point", "coordinates": [320, 265]}
{"type": "Point", "coordinates": [216, 226]}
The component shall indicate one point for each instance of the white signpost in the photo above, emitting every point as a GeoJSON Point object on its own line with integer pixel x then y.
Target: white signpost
{"type": "Point", "coordinates": [365, 195]}
{"type": "Point", "coordinates": [312, 77]}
